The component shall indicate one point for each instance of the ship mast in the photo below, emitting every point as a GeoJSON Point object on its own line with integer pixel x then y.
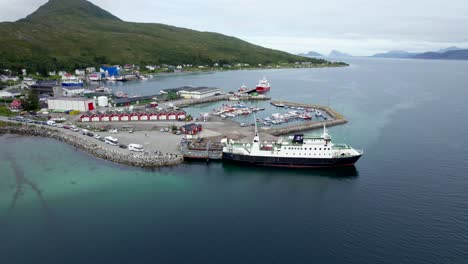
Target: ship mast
{"type": "Point", "coordinates": [256, 137]}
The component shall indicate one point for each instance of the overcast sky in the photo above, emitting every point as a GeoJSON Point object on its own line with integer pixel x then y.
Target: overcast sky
{"type": "Point", "coordinates": [359, 27]}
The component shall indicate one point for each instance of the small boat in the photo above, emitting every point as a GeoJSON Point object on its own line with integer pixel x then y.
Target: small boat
{"type": "Point", "coordinates": [243, 88]}
{"type": "Point", "coordinates": [277, 104]}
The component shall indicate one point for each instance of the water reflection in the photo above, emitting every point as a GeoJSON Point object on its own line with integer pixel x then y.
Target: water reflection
{"type": "Point", "coordinates": [346, 172]}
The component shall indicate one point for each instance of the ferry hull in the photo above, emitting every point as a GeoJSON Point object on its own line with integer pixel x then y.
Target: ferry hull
{"type": "Point", "coordinates": [261, 89]}
{"type": "Point", "coordinates": [290, 162]}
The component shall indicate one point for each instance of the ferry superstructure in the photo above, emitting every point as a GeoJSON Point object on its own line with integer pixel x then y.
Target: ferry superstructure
{"type": "Point", "coordinates": [298, 151]}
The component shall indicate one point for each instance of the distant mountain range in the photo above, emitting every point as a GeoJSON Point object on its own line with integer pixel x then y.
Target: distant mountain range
{"type": "Point", "coordinates": [450, 53]}
{"type": "Point", "coordinates": [310, 54]}
{"type": "Point", "coordinates": [333, 54]}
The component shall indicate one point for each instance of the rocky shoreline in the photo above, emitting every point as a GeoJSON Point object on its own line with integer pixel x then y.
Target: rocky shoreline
{"type": "Point", "coordinates": [145, 160]}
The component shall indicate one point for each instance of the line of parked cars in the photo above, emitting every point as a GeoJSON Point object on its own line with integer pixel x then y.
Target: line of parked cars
{"type": "Point", "coordinates": [109, 140]}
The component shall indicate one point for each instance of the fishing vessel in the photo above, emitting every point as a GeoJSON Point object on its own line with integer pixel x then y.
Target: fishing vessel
{"type": "Point", "coordinates": [298, 151]}
{"type": "Point", "coordinates": [263, 85]}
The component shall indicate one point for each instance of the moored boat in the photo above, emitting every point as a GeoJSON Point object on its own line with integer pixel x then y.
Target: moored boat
{"type": "Point", "coordinates": [298, 151]}
{"type": "Point", "coordinates": [263, 85]}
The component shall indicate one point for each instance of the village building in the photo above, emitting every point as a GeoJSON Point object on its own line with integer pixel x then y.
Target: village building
{"type": "Point", "coordinates": [86, 117]}
{"type": "Point", "coordinates": [90, 70]}
{"type": "Point", "coordinates": [191, 129]}
{"type": "Point", "coordinates": [16, 105]}
{"type": "Point", "coordinates": [127, 101]}
{"type": "Point", "coordinates": [51, 88]}
{"type": "Point", "coordinates": [190, 92]}
{"type": "Point", "coordinates": [67, 103]}
{"type": "Point", "coordinates": [80, 72]}
{"type": "Point", "coordinates": [10, 93]}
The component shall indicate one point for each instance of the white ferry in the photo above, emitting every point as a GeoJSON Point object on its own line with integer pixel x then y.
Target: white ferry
{"type": "Point", "coordinates": [298, 151]}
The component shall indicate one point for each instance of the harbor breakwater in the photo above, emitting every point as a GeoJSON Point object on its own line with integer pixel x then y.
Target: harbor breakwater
{"type": "Point", "coordinates": [336, 119]}
{"type": "Point", "coordinates": [133, 159]}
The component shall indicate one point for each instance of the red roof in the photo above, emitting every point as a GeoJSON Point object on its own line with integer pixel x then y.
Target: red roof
{"type": "Point", "coordinates": [15, 103]}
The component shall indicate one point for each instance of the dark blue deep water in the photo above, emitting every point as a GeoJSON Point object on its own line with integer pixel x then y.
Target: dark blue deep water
{"type": "Point", "coordinates": [406, 201]}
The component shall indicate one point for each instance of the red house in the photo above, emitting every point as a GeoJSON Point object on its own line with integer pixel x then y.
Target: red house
{"type": "Point", "coordinates": [153, 116]}
{"type": "Point", "coordinates": [144, 117]}
{"type": "Point", "coordinates": [172, 116]}
{"type": "Point", "coordinates": [114, 117]}
{"type": "Point", "coordinates": [124, 117]}
{"type": "Point", "coordinates": [105, 117]}
{"type": "Point", "coordinates": [162, 116]}
{"type": "Point", "coordinates": [16, 105]}
{"type": "Point", "coordinates": [181, 115]}
{"type": "Point", "coordinates": [191, 129]}
{"type": "Point", "coordinates": [86, 117]}
{"type": "Point", "coordinates": [135, 116]}
{"type": "Point", "coordinates": [96, 117]}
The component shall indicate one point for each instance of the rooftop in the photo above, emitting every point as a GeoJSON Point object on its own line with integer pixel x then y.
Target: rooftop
{"type": "Point", "coordinates": [70, 98]}
{"type": "Point", "coordinates": [132, 99]}
{"type": "Point", "coordinates": [201, 89]}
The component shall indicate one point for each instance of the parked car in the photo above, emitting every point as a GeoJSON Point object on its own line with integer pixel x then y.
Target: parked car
{"type": "Point", "coordinates": [122, 146]}
{"type": "Point", "coordinates": [136, 147]}
{"type": "Point", "coordinates": [74, 129]}
{"type": "Point", "coordinates": [66, 127]}
{"type": "Point", "coordinates": [97, 136]}
{"type": "Point", "coordinates": [89, 134]}
{"type": "Point", "coordinates": [113, 131]}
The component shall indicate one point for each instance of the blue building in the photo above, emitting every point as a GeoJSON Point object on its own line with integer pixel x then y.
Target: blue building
{"type": "Point", "coordinates": [111, 70]}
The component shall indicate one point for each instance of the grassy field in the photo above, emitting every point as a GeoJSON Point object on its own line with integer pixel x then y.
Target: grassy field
{"type": "Point", "coordinates": [5, 111]}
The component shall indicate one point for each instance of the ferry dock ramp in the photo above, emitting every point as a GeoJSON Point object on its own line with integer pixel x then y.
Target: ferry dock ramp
{"type": "Point", "coordinates": [201, 149]}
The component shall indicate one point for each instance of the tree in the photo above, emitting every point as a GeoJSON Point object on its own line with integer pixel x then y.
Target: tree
{"type": "Point", "coordinates": [31, 101]}
{"type": "Point", "coordinates": [172, 96]}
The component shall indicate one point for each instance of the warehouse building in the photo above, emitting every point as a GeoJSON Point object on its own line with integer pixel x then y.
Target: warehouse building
{"type": "Point", "coordinates": [190, 92]}
{"type": "Point", "coordinates": [64, 104]}
{"type": "Point", "coordinates": [51, 88]}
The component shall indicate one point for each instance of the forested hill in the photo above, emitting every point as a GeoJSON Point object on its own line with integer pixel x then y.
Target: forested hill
{"type": "Point", "coordinates": [74, 33]}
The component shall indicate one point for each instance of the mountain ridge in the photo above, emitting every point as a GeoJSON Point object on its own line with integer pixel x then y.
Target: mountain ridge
{"type": "Point", "coordinates": [451, 53]}
{"type": "Point", "coordinates": [311, 54]}
{"type": "Point", "coordinates": [76, 33]}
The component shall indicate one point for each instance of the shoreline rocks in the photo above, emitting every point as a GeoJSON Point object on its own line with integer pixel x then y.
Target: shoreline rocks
{"type": "Point", "coordinates": [144, 160]}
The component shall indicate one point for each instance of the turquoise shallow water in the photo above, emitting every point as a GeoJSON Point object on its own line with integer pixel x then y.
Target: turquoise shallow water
{"type": "Point", "coordinates": [404, 202]}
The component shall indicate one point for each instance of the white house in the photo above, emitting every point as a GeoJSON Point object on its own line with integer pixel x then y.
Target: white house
{"type": "Point", "coordinates": [80, 72]}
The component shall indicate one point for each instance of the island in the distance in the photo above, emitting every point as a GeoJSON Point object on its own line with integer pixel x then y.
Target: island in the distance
{"type": "Point", "coordinates": [450, 53]}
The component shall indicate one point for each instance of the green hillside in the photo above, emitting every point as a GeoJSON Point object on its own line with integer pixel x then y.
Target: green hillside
{"type": "Point", "coordinates": [76, 33]}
